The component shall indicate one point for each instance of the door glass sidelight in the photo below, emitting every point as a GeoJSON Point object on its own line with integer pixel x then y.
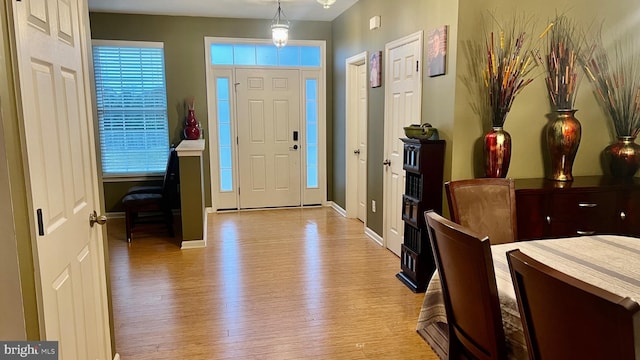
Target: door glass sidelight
{"type": "Point", "coordinates": [311, 120]}
{"type": "Point", "coordinates": [224, 135]}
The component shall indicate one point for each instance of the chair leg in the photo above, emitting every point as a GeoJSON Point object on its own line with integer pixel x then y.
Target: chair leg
{"type": "Point", "coordinates": [169, 221]}
{"type": "Point", "coordinates": [128, 218]}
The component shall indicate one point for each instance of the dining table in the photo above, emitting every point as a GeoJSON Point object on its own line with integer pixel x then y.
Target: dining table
{"type": "Point", "coordinates": [611, 262]}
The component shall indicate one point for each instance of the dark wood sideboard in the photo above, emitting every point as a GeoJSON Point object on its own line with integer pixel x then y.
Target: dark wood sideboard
{"type": "Point", "coordinates": [588, 205]}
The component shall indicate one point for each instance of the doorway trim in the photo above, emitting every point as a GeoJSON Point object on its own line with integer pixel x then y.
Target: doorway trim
{"type": "Point", "coordinates": [229, 200]}
{"type": "Point", "coordinates": [351, 119]}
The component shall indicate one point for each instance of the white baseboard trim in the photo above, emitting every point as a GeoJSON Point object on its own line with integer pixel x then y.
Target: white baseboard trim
{"type": "Point", "coordinates": [210, 210]}
{"type": "Point", "coordinates": [337, 208]}
{"type": "Point", "coordinates": [205, 221]}
{"type": "Point", "coordinates": [193, 244]}
{"type": "Point", "coordinates": [373, 236]}
{"type": "Point", "coordinates": [116, 356]}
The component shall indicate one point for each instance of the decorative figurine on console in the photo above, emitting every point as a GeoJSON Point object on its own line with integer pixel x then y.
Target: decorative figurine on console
{"type": "Point", "coordinates": [191, 125]}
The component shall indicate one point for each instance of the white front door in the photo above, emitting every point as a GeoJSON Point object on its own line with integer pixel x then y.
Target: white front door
{"type": "Point", "coordinates": [403, 105]}
{"type": "Point", "coordinates": [62, 175]}
{"type": "Point", "coordinates": [269, 137]}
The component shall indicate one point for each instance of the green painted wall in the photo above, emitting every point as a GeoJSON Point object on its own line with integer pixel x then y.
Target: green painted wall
{"type": "Point", "coordinates": [352, 36]}
{"type": "Point", "coordinates": [528, 116]}
{"type": "Point", "coordinates": [183, 39]}
{"type": "Point", "coordinates": [191, 198]}
{"type": "Point", "coordinates": [447, 99]}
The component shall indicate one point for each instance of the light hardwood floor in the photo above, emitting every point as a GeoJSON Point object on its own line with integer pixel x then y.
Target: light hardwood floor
{"type": "Point", "coordinates": [277, 284]}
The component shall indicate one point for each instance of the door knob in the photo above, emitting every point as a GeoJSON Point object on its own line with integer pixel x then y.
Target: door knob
{"type": "Point", "coordinates": [356, 151]}
{"type": "Point", "coordinates": [386, 162]}
{"type": "Point", "coordinates": [94, 218]}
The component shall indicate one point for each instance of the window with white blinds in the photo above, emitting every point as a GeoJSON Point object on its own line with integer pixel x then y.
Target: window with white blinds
{"type": "Point", "coordinates": [131, 102]}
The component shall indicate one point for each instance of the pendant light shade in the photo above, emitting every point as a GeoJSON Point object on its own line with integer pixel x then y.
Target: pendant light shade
{"type": "Point", "coordinates": [280, 28]}
{"type": "Point", "coordinates": [280, 34]}
{"type": "Point", "coordinates": [326, 3]}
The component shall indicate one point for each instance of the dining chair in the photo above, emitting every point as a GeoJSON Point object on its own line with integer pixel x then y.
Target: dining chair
{"type": "Point", "coordinates": [487, 206]}
{"type": "Point", "coordinates": [566, 318]}
{"type": "Point", "coordinates": [469, 290]}
{"type": "Point", "coordinates": [143, 203]}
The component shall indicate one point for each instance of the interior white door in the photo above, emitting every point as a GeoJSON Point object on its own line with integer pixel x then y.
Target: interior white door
{"type": "Point", "coordinates": [269, 138]}
{"type": "Point", "coordinates": [62, 174]}
{"type": "Point", "coordinates": [403, 105]}
{"type": "Point", "coordinates": [362, 141]}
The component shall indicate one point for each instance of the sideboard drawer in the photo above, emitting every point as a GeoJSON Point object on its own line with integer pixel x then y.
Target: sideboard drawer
{"type": "Point", "coordinates": [589, 205]}
{"type": "Point", "coordinates": [582, 227]}
{"type": "Point", "coordinates": [585, 205]}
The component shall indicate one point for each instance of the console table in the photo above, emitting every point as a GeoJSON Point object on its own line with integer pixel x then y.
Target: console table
{"type": "Point", "coordinates": [589, 205]}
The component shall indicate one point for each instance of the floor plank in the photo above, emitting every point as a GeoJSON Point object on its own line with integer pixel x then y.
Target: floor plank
{"type": "Point", "coordinates": [277, 284]}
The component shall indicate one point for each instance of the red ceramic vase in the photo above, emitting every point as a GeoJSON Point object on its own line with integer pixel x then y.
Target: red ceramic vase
{"type": "Point", "coordinates": [563, 138]}
{"type": "Point", "coordinates": [497, 153]}
{"type": "Point", "coordinates": [191, 118]}
{"type": "Point", "coordinates": [623, 157]}
{"type": "Point", "coordinates": [192, 133]}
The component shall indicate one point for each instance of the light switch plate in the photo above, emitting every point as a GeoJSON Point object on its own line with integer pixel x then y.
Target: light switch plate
{"type": "Point", "coordinates": [374, 22]}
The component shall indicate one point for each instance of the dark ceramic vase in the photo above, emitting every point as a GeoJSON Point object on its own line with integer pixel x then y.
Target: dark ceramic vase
{"type": "Point", "coordinates": [497, 153]}
{"type": "Point", "coordinates": [623, 157]}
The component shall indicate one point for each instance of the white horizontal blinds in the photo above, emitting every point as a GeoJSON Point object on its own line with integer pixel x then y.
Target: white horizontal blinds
{"type": "Point", "coordinates": [131, 101]}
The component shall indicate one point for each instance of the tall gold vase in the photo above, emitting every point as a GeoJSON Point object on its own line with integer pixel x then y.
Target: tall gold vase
{"type": "Point", "coordinates": [563, 138]}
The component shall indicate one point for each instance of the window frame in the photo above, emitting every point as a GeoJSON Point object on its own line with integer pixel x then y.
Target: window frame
{"type": "Point", "coordinates": [137, 175]}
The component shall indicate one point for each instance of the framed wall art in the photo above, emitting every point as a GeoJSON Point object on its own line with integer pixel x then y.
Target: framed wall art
{"type": "Point", "coordinates": [375, 69]}
{"type": "Point", "coordinates": [437, 54]}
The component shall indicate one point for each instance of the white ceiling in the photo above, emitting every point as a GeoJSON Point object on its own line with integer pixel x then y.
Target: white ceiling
{"type": "Point", "coordinates": [257, 9]}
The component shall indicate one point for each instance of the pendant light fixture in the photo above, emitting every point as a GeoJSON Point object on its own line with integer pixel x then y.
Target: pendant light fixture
{"type": "Point", "coordinates": [280, 28]}
{"type": "Point", "coordinates": [326, 3]}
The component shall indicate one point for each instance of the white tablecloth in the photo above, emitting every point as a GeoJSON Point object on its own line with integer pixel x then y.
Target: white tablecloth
{"type": "Point", "coordinates": [607, 261]}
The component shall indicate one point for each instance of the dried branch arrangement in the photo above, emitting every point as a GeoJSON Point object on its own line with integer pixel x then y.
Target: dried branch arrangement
{"type": "Point", "coordinates": [507, 66]}
{"type": "Point", "coordinates": [616, 82]}
{"type": "Point", "coordinates": [565, 43]}
{"type": "Point", "coordinates": [191, 102]}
